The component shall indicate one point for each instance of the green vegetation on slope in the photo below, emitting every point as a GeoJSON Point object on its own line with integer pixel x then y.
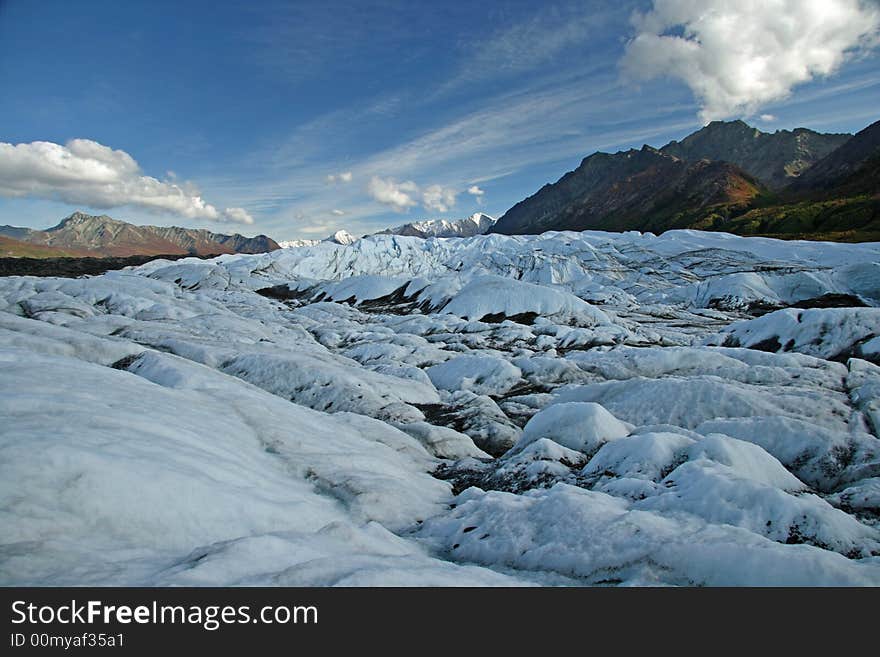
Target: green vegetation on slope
{"type": "Point", "coordinates": [852, 219]}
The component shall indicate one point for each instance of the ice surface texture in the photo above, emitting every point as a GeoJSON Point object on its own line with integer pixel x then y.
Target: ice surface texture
{"type": "Point", "coordinates": [569, 408]}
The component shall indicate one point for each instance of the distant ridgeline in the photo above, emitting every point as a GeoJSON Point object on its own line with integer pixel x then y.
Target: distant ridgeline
{"type": "Point", "coordinates": [728, 177]}
{"type": "Point", "coordinates": [84, 235]}
{"type": "Point", "coordinates": [476, 224]}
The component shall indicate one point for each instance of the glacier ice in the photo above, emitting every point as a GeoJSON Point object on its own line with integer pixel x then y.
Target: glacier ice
{"type": "Point", "coordinates": [578, 408]}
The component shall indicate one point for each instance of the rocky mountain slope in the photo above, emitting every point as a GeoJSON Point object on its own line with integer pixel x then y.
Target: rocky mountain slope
{"type": "Point", "coordinates": [775, 159]}
{"type": "Point", "coordinates": [731, 177]}
{"type": "Point", "coordinates": [851, 169]}
{"type": "Point", "coordinates": [643, 189]}
{"type": "Point", "coordinates": [103, 236]}
{"type": "Point", "coordinates": [838, 198]}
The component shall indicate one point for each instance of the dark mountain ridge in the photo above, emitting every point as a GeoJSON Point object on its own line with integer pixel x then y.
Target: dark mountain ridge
{"type": "Point", "coordinates": [633, 189]}
{"type": "Point", "coordinates": [852, 168]}
{"type": "Point", "coordinates": [776, 159]}
{"type": "Point", "coordinates": [726, 176]}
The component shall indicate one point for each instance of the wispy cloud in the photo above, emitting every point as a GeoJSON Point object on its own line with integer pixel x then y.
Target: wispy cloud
{"type": "Point", "coordinates": [344, 177]}
{"type": "Point", "coordinates": [317, 229]}
{"type": "Point", "coordinates": [549, 121]}
{"type": "Point", "coordinates": [848, 87]}
{"type": "Point", "coordinates": [558, 119]}
{"type": "Point", "coordinates": [533, 94]}
{"type": "Point", "coordinates": [532, 43]}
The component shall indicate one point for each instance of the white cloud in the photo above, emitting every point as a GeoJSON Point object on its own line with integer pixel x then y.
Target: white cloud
{"type": "Point", "coordinates": [405, 195]}
{"type": "Point", "coordinates": [768, 118]}
{"type": "Point", "coordinates": [484, 141]}
{"type": "Point", "coordinates": [532, 43]}
{"type": "Point", "coordinates": [400, 196]}
{"type": "Point", "coordinates": [315, 229]}
{"type": "Point", "coordinates": [238, 215]}
{"type": "Point", "coordinates": [345, 177]}
{"type": "Point", "coordinates": [438, 198]}
{"type": "Point", "coordinates": [86, 172]}
{"type": "Point", "coordinates": [338, 213]}
{"type": "Point", "coordinates": [477, 193]}
{"type": "Point", "coordinates": [737, 56]}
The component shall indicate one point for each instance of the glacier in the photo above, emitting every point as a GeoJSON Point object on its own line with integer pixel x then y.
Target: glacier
{"type": "Point", "coordinates": [688, 409]}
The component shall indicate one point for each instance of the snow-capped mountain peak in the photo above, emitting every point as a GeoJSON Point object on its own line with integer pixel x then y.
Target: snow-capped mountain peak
{"type": "Point", "coordinates": [293, 244]}
{"type": "Point", "coordinates": [342, 237]}
{"type": "Point", "coordinates": [476, 224]}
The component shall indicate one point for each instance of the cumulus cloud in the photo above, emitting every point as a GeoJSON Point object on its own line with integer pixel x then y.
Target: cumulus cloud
{"type": "Point", "coordinates": [438, 198]}
{"type": "Point", "coordinates": [238, 215]}
{"type": "Point", "coordinates": [768, 118]}
{"type": "Point", "coordinates": [405, 195]}
{"type": "Point", "coordinates": [400, 196]}
{"type": "Point", "coordinates": [737, 56]}
{"type": "Point", "coordinates": [345, 177]}
{"type": "Point", "coordinates": [338, 213]}
{"type": "Point", "coordinates": [475, 191]}
{"type": "Point", "coordinates": [85, 172]}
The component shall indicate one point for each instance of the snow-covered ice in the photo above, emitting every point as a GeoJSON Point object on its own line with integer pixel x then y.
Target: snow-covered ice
{"type": "Point", "coordinates": [567, 408]}
{"type": "Point", "coordinates": [583, 427]}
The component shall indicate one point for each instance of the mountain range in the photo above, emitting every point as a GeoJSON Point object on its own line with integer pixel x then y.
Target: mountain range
{"type": "Point", "coordinates": [476, 224]}
{"type": "Point", "coordinates": [82, 234]}
{"type": "Point", "coordinates": [727, 176]}
{"type": "Point", "coordinates": [776, 159]}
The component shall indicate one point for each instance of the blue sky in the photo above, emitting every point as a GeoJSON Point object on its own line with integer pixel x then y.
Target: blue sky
{"type": "Point", "coordinates": [307, 117]}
